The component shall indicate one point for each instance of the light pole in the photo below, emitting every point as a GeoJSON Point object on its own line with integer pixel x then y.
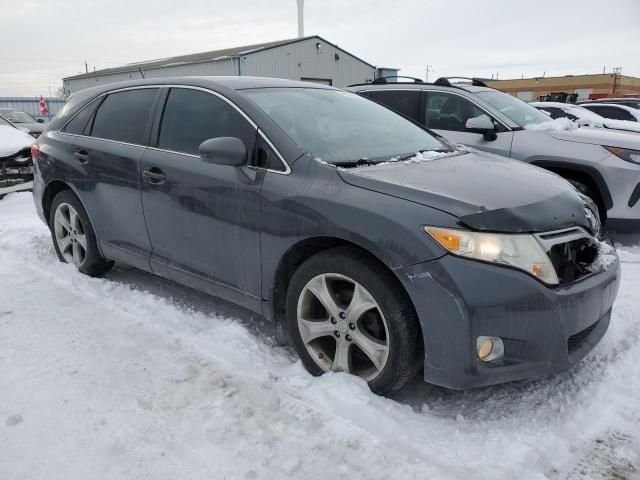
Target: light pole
{"type": "Point", "coordinates": [428, 69]}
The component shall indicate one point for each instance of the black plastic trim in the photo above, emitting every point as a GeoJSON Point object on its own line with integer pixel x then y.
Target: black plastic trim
{"type": "Point", "coordinates": [635, 196]}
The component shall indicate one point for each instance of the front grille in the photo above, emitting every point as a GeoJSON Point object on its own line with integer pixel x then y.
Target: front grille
{"type": "Point", "coordinates": [572, 259]}
{"type": "Point", "coordinates": [576, 340]}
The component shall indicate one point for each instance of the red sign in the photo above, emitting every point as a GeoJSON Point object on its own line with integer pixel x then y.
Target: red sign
{"type": "Point", "coordinates": [44, 110]}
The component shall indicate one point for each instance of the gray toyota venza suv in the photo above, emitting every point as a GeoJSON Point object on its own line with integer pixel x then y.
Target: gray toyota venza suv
{"type": "Point", "coordinates": [377, 247]}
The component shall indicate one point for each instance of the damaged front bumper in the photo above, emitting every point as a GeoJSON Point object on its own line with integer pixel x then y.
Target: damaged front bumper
{"type": "Point", "coordinates": [544, 330]}
{"type": "Point", "coordinates": [16, 174]}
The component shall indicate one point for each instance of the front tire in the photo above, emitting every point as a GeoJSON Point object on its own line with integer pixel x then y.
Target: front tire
{"type": "Point", "coordinates": [346, 313]}
{"type": "Point", "coordinates": [73, 236]}
{"type": "Point", "coordinates": [588, 192]}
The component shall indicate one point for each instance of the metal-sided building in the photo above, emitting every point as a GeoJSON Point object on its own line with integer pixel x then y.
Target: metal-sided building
{"type": "Point", "coordinates": [310, 58]}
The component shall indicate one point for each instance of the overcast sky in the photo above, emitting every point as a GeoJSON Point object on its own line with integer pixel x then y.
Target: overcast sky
{"type": "Point", "coordinates": [45, 40]}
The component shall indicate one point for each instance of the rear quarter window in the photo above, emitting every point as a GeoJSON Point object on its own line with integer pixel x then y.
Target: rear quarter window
{"type": "Point", "coordinates": [79, 125]}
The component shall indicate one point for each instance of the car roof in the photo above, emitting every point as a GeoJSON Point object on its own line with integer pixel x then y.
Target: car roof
{"type": "Point", "coordinates": [613, 99]}
{"type": "Point", "coordinates": [603, 104]}
{"type": "Point", "coordinates": [234, 83]}
{"type": "Point", "coordinates": [417, 86]}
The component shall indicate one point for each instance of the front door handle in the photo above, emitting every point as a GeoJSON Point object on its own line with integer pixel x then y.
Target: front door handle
{"type": "Point", "coordinates": [153, 175]}
{"type": "Point", "coordinates": [81, 155]}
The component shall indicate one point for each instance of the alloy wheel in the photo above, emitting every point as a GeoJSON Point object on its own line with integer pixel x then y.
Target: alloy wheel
{"type": "Point", "coordinates": [70, 235]}
{"type": "Point", "coordinates": [342, 326]}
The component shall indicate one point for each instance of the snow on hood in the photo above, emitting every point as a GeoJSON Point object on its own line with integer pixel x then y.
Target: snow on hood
{"type": "Point", "coordinates": [622, 125]}
{"type": "Point", "coordinates": [13, 140]}
{"type": "Point", "coordinates": [557, 125]}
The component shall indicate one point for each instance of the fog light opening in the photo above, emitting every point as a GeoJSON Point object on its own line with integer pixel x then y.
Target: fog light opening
{"type": "Point", "coordinates": [489, 348]}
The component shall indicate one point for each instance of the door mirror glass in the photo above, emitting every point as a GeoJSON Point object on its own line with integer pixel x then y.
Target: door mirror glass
{"type": "Point", "coordinates": [480, 124]}
{"type": "Point", "coordinates": [224, 151]}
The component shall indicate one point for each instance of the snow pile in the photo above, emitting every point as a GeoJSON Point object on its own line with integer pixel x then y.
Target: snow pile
{"type": "Point", "coordinates": [13, 140]}
{"type": "Point", "coordinates": [559, 124]}
{"type": "Point", "coordinates": [606, 256]}
{"type": "Point", "coordinates": [422, 157]}
{"type": "Point", "coordinates": [132, 376]}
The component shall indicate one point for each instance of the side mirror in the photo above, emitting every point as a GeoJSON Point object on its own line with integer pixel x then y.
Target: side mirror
{"type": "Point", "coordinates": [484, 125]}
{"type": "Point", "coordinates": [40, 120]}
{"type": "Point", "coordinates": [224, 151]}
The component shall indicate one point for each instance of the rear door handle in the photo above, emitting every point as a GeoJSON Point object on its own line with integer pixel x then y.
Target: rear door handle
{"type": "Point", "coordinates": [81, 155]}
{"type": "Point", "coordinates": [153, 175]}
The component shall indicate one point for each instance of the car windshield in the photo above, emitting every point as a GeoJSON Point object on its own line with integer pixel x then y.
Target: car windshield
{"type": "Point", "coordinates": [5, 123]}
{"type": "Point", "coordinates": [19, 117]}
{"type": "Point", "coordinates": [518, 111]}
{"type": "Point", "coordinates": [342, 127]}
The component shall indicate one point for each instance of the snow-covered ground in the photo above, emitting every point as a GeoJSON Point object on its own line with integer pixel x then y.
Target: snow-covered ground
{"type": "Point", "coordinates": [131, 376]}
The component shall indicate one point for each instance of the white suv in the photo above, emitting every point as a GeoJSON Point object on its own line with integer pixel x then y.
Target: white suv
{"type": "Point", "coordinates": [602, 164]}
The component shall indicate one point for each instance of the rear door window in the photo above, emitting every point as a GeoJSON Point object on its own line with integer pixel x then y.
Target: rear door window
{"type": "Point", "coordinates": [405, 102]}
{"type": "Point", "coordinates": [612, 112]}
{"type": "Point", "coordinates": [124, 116]}
{"type": "Point", "coordinates": [447, 111]}
{"type": "Point", "coordinates": [192, 116]}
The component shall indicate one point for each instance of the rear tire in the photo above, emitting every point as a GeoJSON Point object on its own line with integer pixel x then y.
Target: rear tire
{"type": "Point", "coordinates": [376, 329]}
{"type": "Point", "coordinates": [73, 236]}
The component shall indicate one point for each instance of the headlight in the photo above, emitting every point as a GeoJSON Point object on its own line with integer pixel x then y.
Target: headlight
{"type": "Point", "coordinates": [632, 156]}
{"type": "Point", "coordinates": [516, 250]}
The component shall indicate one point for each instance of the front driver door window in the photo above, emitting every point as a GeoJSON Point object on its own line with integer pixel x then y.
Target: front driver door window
{"type": "Point", "coordinates": [447, 114]}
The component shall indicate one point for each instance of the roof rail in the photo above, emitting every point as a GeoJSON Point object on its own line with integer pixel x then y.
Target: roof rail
{"type": "Point", "coordinates": [384, 79]}
{"type": "Point", "coordinates": [446, 81]}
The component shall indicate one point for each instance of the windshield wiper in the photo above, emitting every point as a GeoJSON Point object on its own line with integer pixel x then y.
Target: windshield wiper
{"type": "Point", "coordinates": [358, 163]}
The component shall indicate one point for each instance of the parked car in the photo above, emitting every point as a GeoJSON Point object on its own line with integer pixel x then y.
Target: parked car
{"type": "Point", "coordinates": [628, 101]}
{"type": "Point", "coordinates": [603, 164]}
{"type": "Point", "coordinates": [24, 120]}
{"type": "Point", "coordinates": [614, 111]}
{"type": "Point", "coordinates": [309, 205]}
{"type": "Point", "coordinates": [583, 116]}
{"type": "Point", "coordinates": [16, 167]}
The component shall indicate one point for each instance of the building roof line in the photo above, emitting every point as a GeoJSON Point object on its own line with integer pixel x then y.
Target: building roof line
{"type": "Point", "coordinates": [209, 56]}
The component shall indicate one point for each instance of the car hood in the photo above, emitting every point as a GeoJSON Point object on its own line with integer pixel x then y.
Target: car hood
{"type": "Point", "coordinates": [485, 191]}
{"type": "Point", "coordinates": [598, 136]}
{"type": "Point", "coordinates": [13, 140]}
{"type": "Point", "coordinates": [32, 127]}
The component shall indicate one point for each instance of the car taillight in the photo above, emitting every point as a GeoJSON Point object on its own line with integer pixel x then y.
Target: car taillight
{"type": "Point", "coordinates": [35, 151]}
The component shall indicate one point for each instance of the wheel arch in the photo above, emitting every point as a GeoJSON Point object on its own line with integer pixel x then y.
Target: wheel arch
{"type": "Point", "coordinates": [53, 188]}
{"type": "Point", "coordinates": [295, 256]}
{"type": "Point", "coordinates": [586, 174]}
